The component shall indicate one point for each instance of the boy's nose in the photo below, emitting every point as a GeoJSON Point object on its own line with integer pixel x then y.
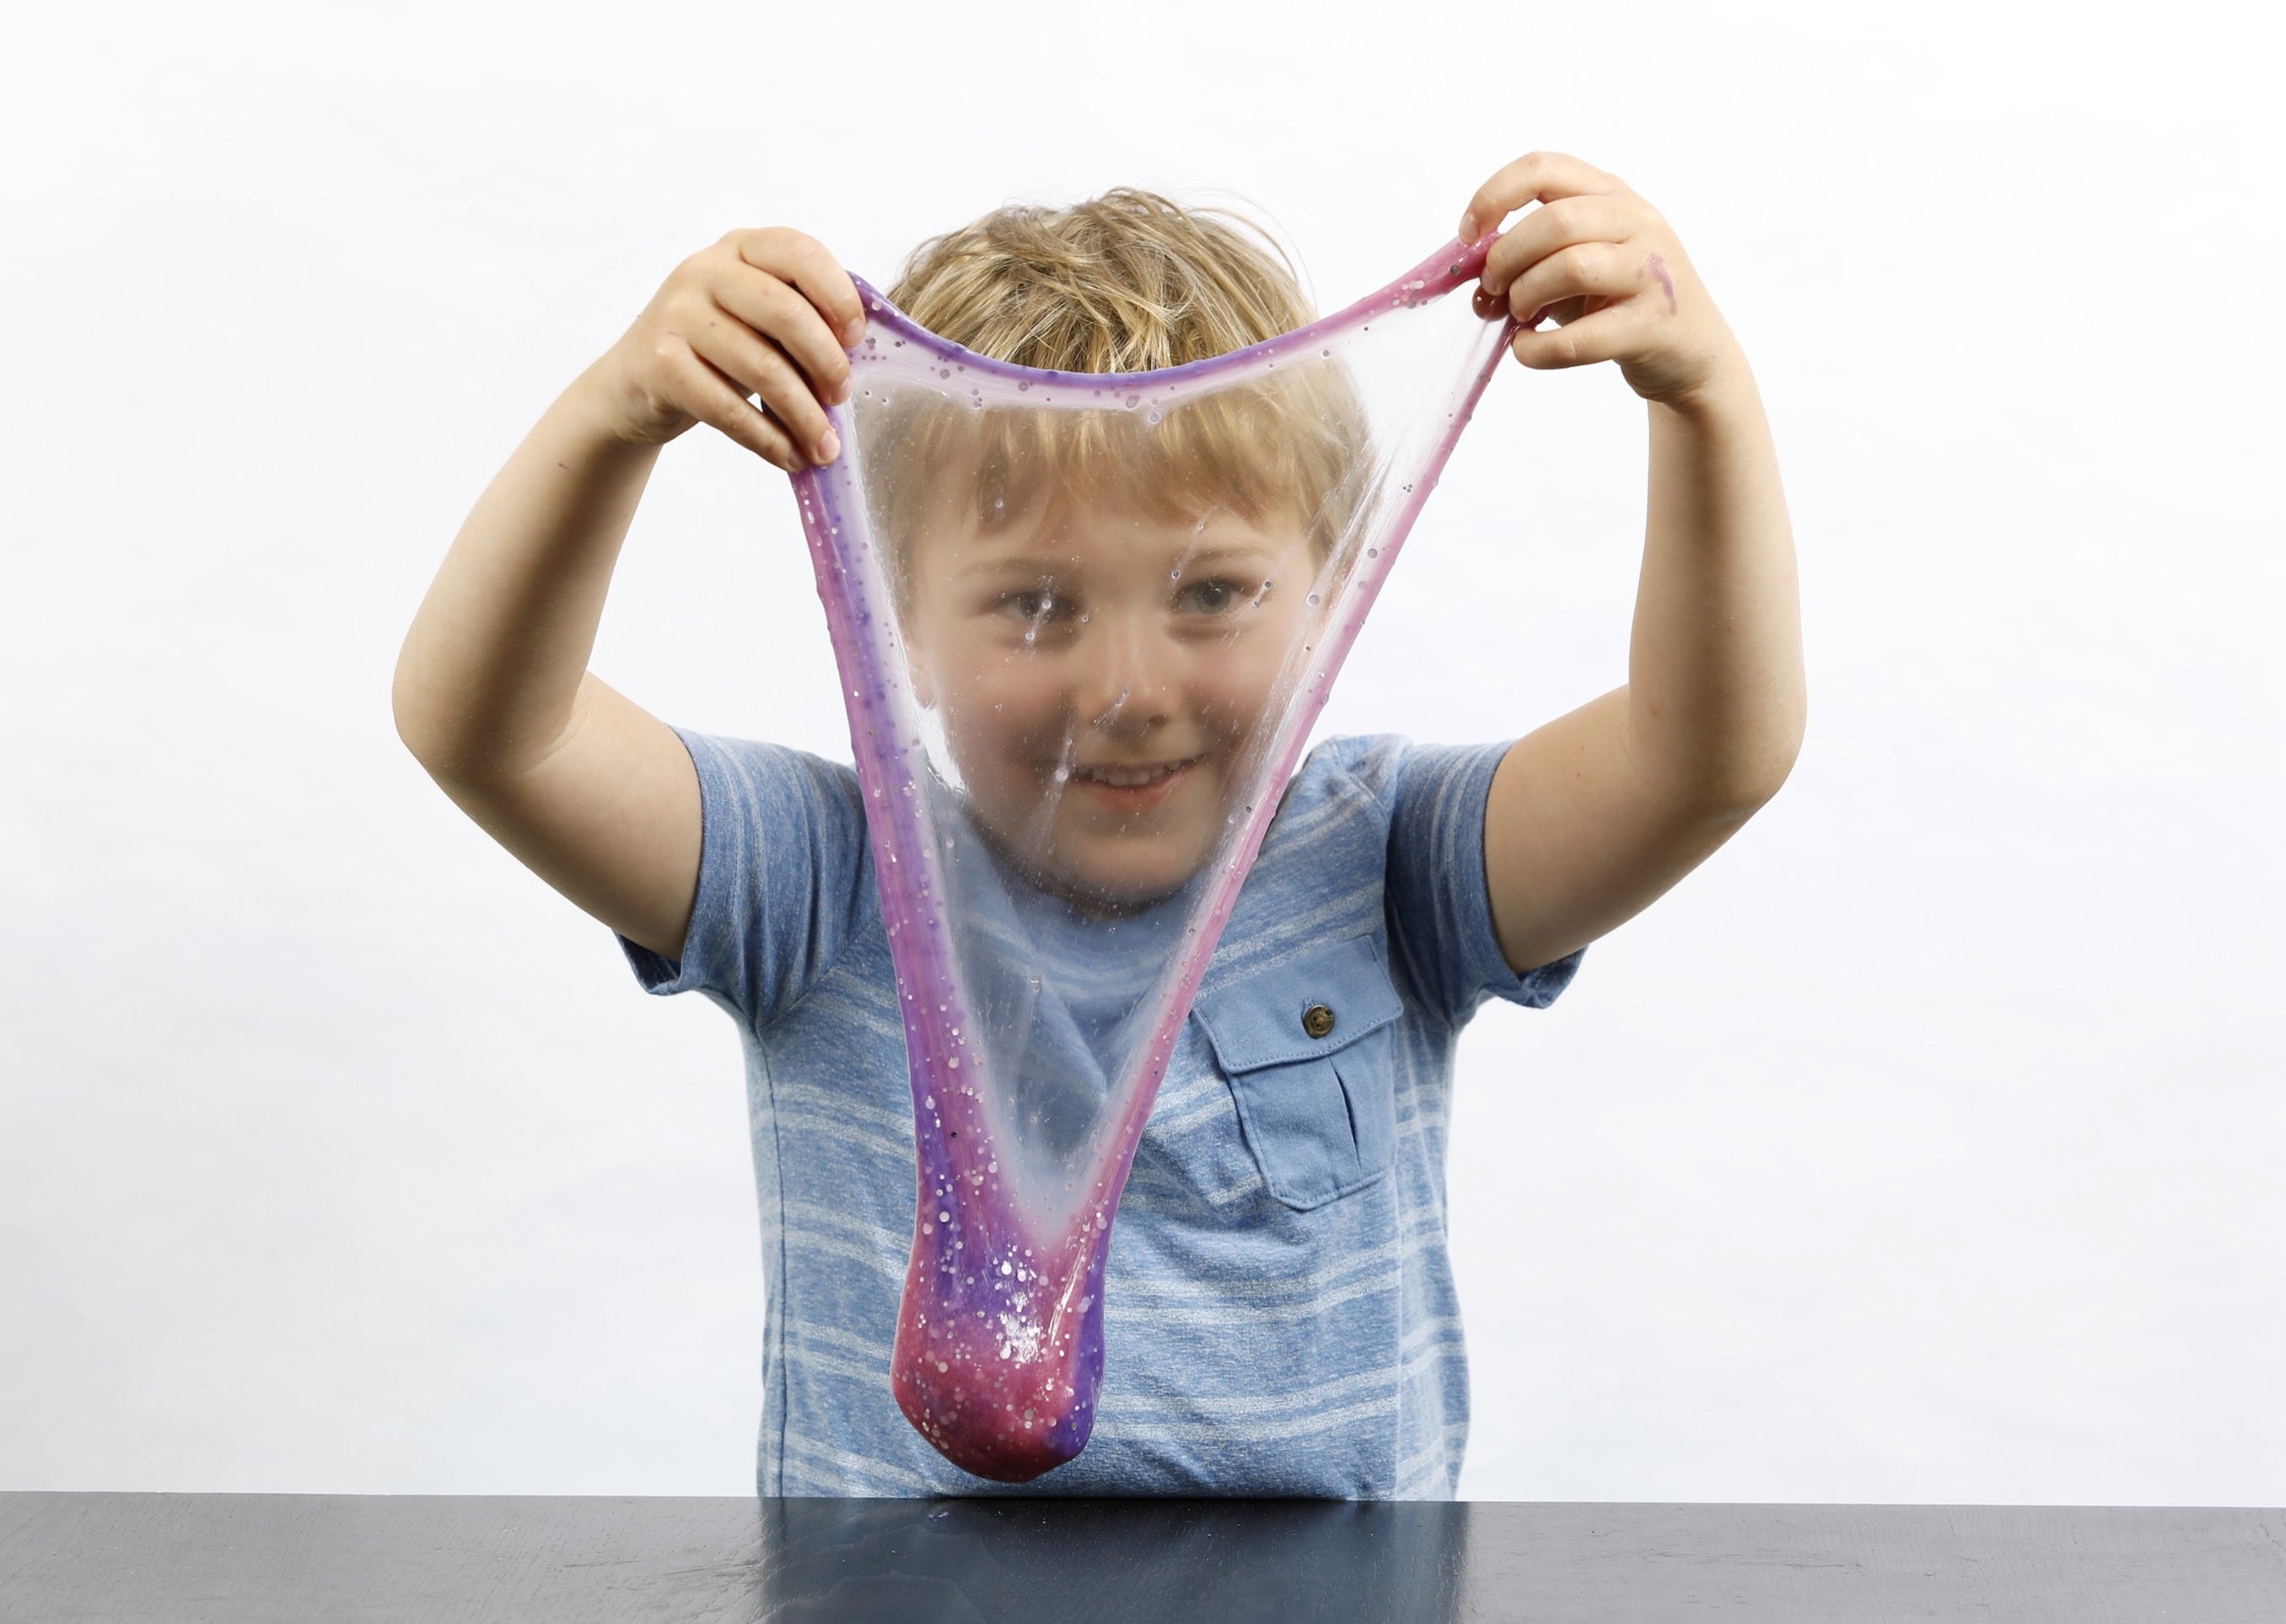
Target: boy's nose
{"type": "Point", "coordinates": [1126, 680]}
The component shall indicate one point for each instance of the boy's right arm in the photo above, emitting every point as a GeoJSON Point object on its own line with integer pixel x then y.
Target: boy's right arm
{"type": "Point", "coordinates": [493, 694]}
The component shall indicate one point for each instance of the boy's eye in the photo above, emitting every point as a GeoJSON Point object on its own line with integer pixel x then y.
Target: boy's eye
{"type": "Point", "coordinates": [1035, 606]}
{"type": "Point", "coordinates": [1213, 596]}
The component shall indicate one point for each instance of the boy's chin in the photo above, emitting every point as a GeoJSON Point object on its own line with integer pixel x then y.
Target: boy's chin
{"type": "Point", "coordinates": [1115, 888]}
{"type": "Point", "coordinates": [1111, 880]}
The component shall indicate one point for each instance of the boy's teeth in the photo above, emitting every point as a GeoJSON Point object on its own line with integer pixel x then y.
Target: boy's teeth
{"type": "Point", "coordinates": [1128, 777]}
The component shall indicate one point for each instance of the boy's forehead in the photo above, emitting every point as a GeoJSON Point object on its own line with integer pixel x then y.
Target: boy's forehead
{"type": "Point", "coordinates": [1103, 535]}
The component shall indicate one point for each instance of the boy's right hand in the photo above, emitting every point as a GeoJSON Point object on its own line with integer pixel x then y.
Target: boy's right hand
{"type": "Point", "coordinates": [764, 313]}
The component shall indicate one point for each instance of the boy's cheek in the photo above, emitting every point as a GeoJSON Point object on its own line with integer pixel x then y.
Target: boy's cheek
{"type": "Point", "coordinates": [1239, 696]}
{"type": "Point", "coordinates": [1012, 708]}
{"type": "Point", "coordinates": [1004, 752]}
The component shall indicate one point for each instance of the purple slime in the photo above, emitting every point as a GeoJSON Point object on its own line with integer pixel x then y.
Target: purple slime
{"type": "Point", "coordinates": [999, 1348]}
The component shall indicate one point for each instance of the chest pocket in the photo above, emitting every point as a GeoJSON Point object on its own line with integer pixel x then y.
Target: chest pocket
{"type": "Point", "coordinates": [1305, 1045]}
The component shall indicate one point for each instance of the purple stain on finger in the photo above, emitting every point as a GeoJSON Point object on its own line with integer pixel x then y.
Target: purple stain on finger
{"type": "Point", "coordinates": [1658, 268]}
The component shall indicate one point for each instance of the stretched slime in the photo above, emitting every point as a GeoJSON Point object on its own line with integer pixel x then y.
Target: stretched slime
{"type": "Point", "coordinates": [1084, 624]}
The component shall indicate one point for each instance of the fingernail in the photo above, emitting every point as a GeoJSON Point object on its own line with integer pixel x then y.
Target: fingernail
{"type": "Point", "coordinates": [1469, 228]}
{"type": "Point", "coordinates": [853, 333]}
{"type": "Point", "coordinates": [829, 447]}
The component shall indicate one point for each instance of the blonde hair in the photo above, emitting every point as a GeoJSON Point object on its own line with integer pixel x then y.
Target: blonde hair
{"type": "Point", "coordinates": [1128, 281]}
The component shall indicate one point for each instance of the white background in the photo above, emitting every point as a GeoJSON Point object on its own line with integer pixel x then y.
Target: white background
{"type": "Point", "coordinates": [1925, 1146]}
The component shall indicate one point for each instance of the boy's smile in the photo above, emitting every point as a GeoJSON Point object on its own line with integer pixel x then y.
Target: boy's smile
{"type": "Point", "coordinates": [1128, 786]}
{"type": "Point", "coordinates": [1100, 676]}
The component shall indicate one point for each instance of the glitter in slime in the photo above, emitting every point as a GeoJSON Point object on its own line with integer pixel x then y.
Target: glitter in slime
{"type": "Point", "coordinates": [1079, 672]}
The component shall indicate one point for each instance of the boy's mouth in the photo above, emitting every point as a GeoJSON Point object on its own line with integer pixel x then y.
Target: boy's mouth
{"type": "Point", "coordinates": [1133, 785]}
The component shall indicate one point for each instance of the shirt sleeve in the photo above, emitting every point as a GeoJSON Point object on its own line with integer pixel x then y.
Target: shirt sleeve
{"type": "Point", "coordinates": [1440, 912]}
{"type": "Point", "coordinates": [782, 865]}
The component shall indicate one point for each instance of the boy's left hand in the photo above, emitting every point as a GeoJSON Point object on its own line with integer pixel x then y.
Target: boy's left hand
{"type": "Point", "coordinates": [1599, 260]}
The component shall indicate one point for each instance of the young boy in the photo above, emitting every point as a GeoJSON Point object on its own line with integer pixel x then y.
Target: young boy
{"type": "Point", "coordinates": [1281, 1315]}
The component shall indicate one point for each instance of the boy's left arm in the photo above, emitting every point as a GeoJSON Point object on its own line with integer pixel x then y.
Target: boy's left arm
{"type": "Point", "coordinates": [1596, 814]}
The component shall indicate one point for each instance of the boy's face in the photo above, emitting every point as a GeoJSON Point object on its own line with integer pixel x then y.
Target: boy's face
{"type": "Point", "coordinates": [1100, 676]}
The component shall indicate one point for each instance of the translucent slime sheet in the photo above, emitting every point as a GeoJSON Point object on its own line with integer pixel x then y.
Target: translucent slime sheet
{"type": "Point", "coordinates": [1084, 622]}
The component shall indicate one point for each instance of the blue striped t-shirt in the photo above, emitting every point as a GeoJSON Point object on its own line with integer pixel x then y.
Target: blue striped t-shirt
{"type": "Point", "coordinates": [1279, 1311]}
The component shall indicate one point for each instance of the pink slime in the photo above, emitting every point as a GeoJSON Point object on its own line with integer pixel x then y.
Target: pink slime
{"type": "Point", "coordinates": [999, 1346]}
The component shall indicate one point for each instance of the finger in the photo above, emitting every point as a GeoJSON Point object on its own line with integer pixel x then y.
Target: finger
{"type": "Point", "coordinates": [1535, 178]}
{"type": "Point", "coordinates": [1584, 270]}
{"type": "Point", "coordinates": [1593, 219]}
{"type": "Point", "coordinates": [803, 261]}
{"type": "Point", "coordinates": [713, 399]}
{"type": "Point", "coordinates": [763, 303]}
{"type": "Point", "coordinates": [1590, 339]}
{"type": "Point", "coordinates": [760, 367]}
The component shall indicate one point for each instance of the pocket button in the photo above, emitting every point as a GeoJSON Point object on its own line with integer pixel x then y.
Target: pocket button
{"type": "Point", "coordinates": [1317, 1020]}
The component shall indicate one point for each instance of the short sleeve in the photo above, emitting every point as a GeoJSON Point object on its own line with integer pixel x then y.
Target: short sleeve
{"type": "Point", "coordinates": [782, 869]}
{"type": "Point", "coordinates": [1440, 913]}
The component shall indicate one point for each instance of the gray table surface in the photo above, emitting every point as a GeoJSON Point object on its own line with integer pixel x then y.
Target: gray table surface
{"type": "Point", "coordinates": [247, 1558]}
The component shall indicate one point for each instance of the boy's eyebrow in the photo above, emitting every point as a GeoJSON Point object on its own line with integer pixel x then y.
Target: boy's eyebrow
{"type": "Point", "coordinates": [1035, 562]}
{"type": "Point", "coordinates": [1222, 552]}
{"type": "Point", "coordinates": [1031, 566]}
